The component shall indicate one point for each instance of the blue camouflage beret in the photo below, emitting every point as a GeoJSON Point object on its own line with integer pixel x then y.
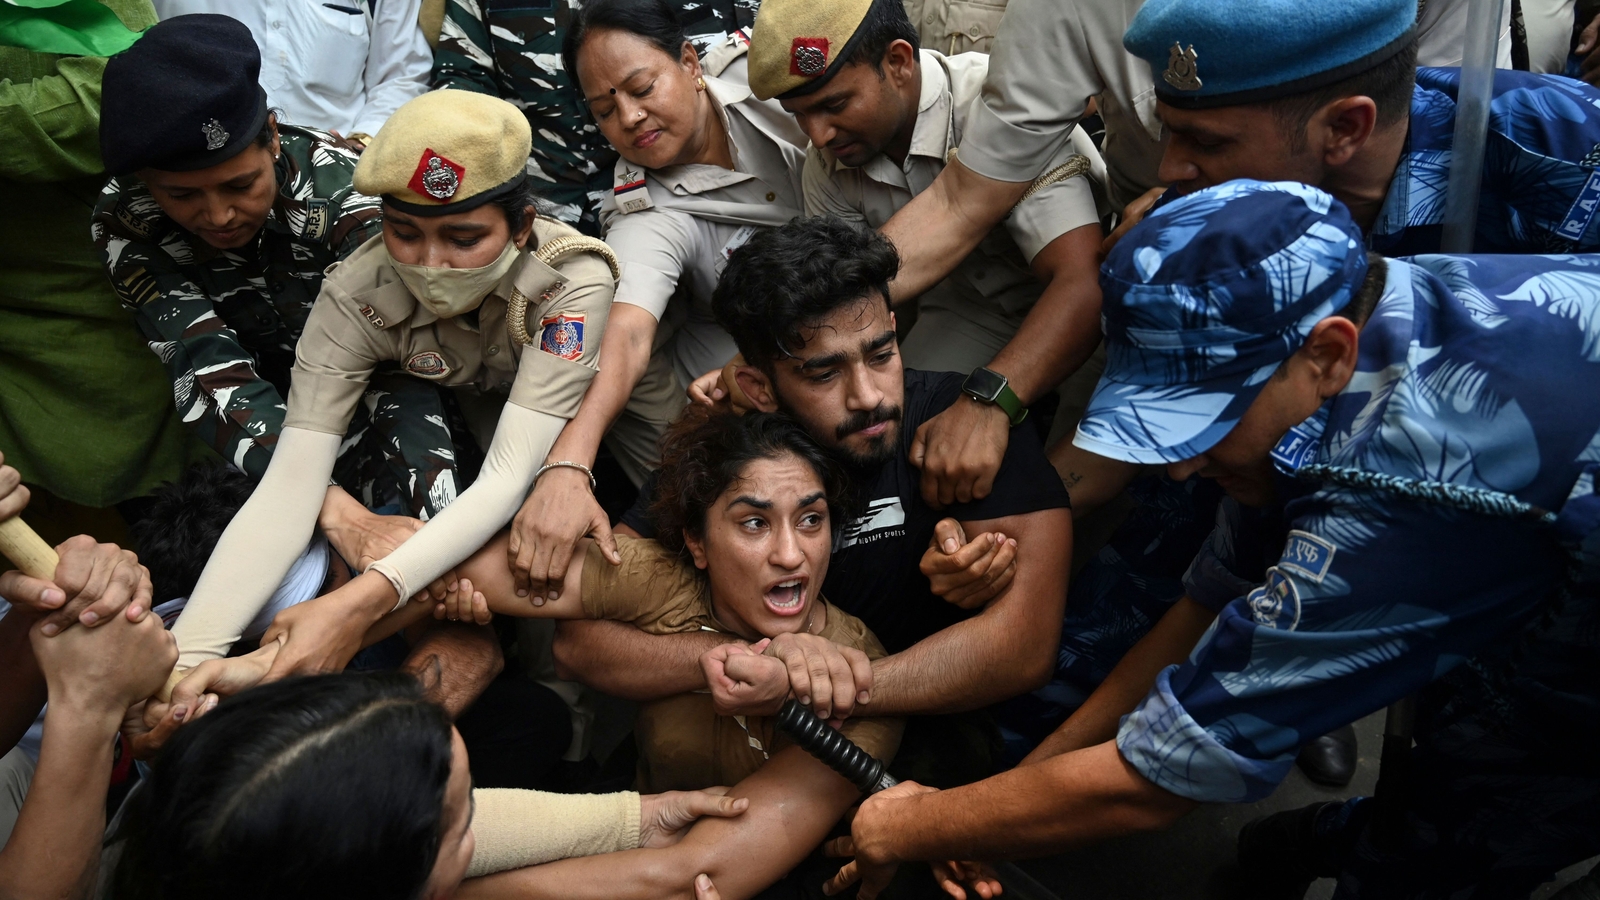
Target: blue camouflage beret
{"type": "Point", "coordinates": [1206, 53]}
{"type": "Point", "coordinates": [184, 97]}
{"type": "Point", "coordinates": [1203, 300]}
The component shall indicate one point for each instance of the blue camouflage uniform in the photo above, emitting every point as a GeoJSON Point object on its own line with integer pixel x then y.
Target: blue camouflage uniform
{"type": "Point", "coordinates": [1431, 515]}
{"type": "Point", "coordinates": [1541, 186]}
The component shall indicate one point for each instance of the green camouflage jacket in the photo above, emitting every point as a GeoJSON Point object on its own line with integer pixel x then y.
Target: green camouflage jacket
{"type": "Point", "coordinates": [512, 49]}
{"type": "Point", "coordinates": [225, 322]}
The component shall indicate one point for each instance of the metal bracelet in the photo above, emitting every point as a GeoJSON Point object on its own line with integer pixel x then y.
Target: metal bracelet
{"type": "Point", "coordinates": [568, 464]}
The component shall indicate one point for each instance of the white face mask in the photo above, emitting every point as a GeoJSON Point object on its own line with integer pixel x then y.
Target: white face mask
{"type": "Point", "coordinates": [452, 292]}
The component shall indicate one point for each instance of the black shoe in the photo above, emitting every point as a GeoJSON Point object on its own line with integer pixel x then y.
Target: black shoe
{"type": "Point", "coordinates": [1279, 856]}
{"type": "Point", "coordinates": [1330, 759]}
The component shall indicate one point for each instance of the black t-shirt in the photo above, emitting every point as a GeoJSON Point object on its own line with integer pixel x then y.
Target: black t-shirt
{"type": "Point", "coordinates": [874, 572]}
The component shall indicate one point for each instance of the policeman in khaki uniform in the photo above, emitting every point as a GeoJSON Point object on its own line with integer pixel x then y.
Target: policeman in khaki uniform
{"type": "Point", "coordinates": [970, 321]}
{"type": "Point", "coordinates": [524, 326]}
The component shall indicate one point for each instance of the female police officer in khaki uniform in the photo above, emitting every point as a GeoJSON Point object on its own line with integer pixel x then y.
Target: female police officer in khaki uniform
{"type": "Point", "coordinates": [704, 164]}
{"type": "Point", "coordinates": [465, 288]}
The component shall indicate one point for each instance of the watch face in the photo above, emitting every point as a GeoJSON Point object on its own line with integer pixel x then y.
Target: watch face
{"type": "Point", "coordinates": [984, 385]}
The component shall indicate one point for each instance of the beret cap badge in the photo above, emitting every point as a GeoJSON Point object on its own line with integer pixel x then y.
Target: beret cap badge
{"type": "Point", "coordinates": [436, 176]}
{"type": "Point", "coordinates": [808, 57]}
{"type": "Point", "coordinates": [1182, 68]}
{"type": "Point", "coordinates": [216, 135]}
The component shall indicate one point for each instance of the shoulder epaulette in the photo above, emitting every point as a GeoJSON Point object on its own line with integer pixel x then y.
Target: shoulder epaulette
{"type": "Point", "coordinates": [552, 253]}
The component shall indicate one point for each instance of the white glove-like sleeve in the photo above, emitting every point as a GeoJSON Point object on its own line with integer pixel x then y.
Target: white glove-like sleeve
{"type": "Point", "coordinates": [521, 440]}
{"type": "Point", "coordinates": [255, 552]}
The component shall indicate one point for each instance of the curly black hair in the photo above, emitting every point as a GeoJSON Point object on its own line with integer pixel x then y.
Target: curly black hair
{"type": "Point", "coordinates": [183, 523]}
{"type": "Point", "coordinates": [705, 451]}
{"type": "Point", "coordinates": [785, 280]}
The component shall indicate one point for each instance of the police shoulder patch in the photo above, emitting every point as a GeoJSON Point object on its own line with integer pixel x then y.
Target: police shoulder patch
{"type": "Point", "coordinates": [562, 336]}
{"type": "Point", "coordinates": [1275, 604]}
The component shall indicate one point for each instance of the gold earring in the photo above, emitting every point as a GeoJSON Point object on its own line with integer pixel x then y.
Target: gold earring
{"type": "Point", "coordinates": [699, 84]}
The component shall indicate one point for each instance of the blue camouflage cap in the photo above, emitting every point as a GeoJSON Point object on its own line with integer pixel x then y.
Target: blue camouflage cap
{"type": "Point", "coordinates": [1203, 300]}
{"type": "Point", "coordinates": [1206, 53]}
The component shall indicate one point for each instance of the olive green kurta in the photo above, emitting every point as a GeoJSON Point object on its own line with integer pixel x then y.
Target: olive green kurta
{"type": "Point", "coordinates": [85, 409]}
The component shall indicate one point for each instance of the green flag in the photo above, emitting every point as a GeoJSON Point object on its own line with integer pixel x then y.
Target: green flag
{"type": "Point", "coordinates": [72, 27]}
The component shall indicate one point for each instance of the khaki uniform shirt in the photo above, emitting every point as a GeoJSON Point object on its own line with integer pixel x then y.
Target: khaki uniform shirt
{"type": "Point", "coordinates": [956, 26]}
{"type": "Point", "coordinates": [994, 281]}
{"type": "Point", "coordinates": [1050, 58]}
{"type": "Point", "coordinates": [683, 743]}
{"type": "Point", "coordinates": [699, 214]}
{"type": "Point", "coordinates": [365, 317]}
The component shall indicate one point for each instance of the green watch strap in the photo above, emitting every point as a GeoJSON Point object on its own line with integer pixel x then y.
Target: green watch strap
{"type": "Point", "coordinates": [1011, 404]}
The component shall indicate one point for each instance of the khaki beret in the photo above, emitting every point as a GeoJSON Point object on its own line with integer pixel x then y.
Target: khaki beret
{"type": "Point", "coordinates": [795, 43]}
{"type": "Point", "coordinates": [446, 152]}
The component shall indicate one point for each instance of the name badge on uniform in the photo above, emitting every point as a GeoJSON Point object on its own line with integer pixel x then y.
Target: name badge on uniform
{"type": "Point", "coordinates": [1308, 554]}
{"type": "Point", "coordinates": [316, 219]}
{"type": "Point", "coordinates": [562, 336]}
{"type": "Point", "coordinates": [1582, 211]}
{"type": "Point", "coordinates": [739, 239]}
{"type": "Point", "coordinates": [631, 193]}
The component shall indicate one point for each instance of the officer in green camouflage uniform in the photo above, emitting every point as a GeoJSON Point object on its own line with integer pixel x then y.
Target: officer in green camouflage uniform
{"type": "Point", "coordinates": [225, 321]}
{"type": "Point", "coordinates": [512, 50]}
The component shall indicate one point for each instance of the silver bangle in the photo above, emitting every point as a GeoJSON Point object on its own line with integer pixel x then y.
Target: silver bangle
{"type": "Point", "coordinates": [567, 464]}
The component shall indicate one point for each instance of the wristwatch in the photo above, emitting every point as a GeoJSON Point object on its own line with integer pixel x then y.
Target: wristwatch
{"type": "Point", "coordinates": [988, 386]}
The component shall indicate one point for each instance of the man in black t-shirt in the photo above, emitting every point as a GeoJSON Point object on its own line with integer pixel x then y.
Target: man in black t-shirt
{"type": "Point", "coordinates": [875, 570]}
{"type": "Point", "coordinates": [807, 305]}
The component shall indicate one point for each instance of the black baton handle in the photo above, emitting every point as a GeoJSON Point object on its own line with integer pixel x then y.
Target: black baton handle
{"type": "Point", "coordinates": [827, 744]}
{"type": "Point", "coordinates": [870, 775]}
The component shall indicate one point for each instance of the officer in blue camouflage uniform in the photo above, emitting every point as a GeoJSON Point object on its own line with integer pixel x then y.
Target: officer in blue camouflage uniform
{"type": "Point", "coordinates": [1264, 115]}
{"type": "Point", "coordinates": [512, 49]}
{"type": "Point", "coordinates": [184, 102]}
{"type": "Point", "coordinates": [1428, 432]}
{"type": "Point", "coordinates": [1541, 170]}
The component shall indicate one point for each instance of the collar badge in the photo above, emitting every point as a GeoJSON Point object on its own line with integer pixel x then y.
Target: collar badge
{"type": "Point", "coordinates": [1182, 68]}
{"type": "Point", "coordinates": [216, 135]}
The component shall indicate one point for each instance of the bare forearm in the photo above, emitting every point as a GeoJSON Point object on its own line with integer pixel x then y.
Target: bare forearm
{"type": "Point", "coordinates": [1063, 328]}
{"type": "Point", "coordinates": [1091, 480]}
{"type": "Point", "coordinates": [1071, 800]}
{"type": "Point", "coordinates": [1095, 722]}
{"type": "Point", "coordinates": [22, 686]}
{"type": "Point", "coordinates": [941, 225]}
{"type": "Point", "coordinates": [620, 660]}
{"type": "Point", "coordinates": [55, 850]}
{"type": "Point", "coordinates": [967, 666]}
{"type": "Point", "coordinates": [1006, 650]}
{"type": "Point", "coordinates": [794, 800]}
{"type": "Point", "coordinates": [455, 662]}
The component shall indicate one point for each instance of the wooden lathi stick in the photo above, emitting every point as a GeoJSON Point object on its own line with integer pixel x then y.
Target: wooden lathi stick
{"type": "Point", "coordinates": [26, 550]}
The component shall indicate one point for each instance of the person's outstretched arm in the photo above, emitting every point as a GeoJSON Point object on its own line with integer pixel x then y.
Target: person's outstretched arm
{"type": "Point", "coordinates": [794, 800]}
{"type": "Point", "coordinates": [619, 659]}
{"type": "Point", "coordinates": [1006, 650]}
{"type": "Point", "coordinates": [1095, 722]}
{"type": "Point", "coordinates": [94, 675]}
{"type": "Point", "coordinates": [941, 225]}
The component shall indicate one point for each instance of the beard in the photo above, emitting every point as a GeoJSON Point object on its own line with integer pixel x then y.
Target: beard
{"type": "Point", "coordinates": [880, 449]}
